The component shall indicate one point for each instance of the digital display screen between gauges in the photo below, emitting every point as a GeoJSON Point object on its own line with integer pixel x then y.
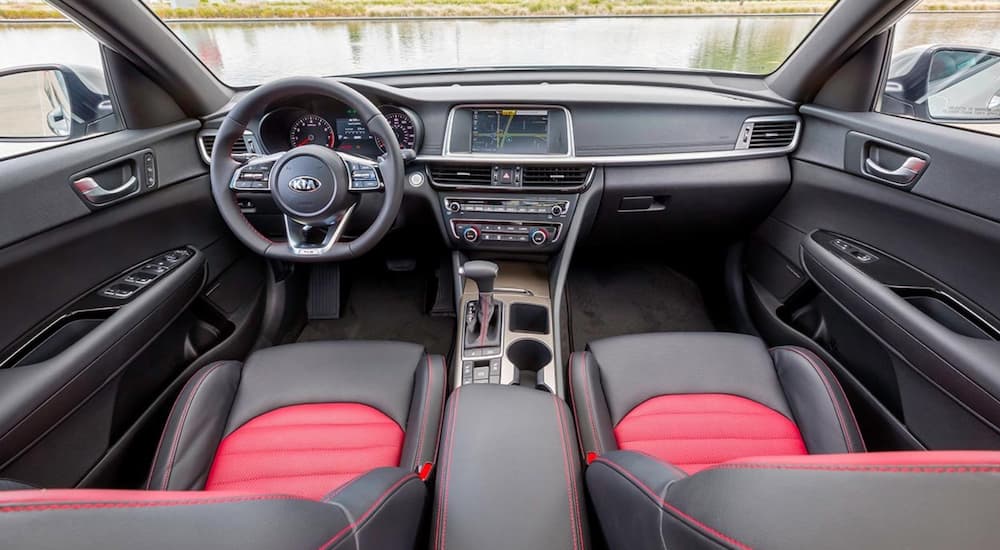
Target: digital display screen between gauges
{"type": "Point", "coordinates": [404, 128]}
{"type": "Point", "coordinates": [312, 130]}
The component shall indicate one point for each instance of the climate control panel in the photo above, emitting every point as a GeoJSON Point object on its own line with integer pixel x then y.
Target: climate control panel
{"type": "Point", "coordinates": [529, 223]}
{"type": "Point", "coordinates": [513, 232]}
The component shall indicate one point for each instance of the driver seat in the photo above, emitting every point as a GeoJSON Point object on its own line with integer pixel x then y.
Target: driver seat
{"type": "Point", "coordinates": [346, 430]}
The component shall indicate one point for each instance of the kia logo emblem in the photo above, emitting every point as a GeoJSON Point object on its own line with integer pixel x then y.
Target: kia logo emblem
{"type": "Point", "coordinates": [304, 184]}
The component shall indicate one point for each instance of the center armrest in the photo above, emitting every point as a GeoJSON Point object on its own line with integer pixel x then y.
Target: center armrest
{"type": "Point", "coordinates": [509, 473]}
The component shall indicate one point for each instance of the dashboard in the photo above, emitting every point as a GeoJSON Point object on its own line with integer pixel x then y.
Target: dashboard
{"type": "Point", "coordinates": [327, 122]}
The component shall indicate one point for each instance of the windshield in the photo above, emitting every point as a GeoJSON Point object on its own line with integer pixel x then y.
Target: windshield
{"type": "Point", "coordinates": [272, 39]}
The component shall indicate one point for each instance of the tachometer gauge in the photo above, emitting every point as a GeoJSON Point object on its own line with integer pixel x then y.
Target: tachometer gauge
{"type": "Point", "coordinates": [404, 128]}
{"type": "Point", "coordinates": [312, 130]}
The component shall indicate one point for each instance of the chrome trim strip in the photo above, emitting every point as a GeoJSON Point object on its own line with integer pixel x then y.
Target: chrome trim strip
{"type": "Point", "coordinates": [446, 146]}
{"type": "Point", "coordinates": [654, 158]}
{"type": "Point", "coordinates": [521, 188]}
{"type": "Point", "coordinates": [204, 152]}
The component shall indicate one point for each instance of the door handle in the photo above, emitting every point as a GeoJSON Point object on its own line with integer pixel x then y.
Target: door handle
{"type": "Point", "coordinates": [904, 175]}
{"type": "Point", "coordinates": [92, 192]}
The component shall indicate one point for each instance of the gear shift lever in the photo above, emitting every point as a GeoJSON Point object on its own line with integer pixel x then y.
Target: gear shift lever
{"type": "Point", "coordinates": [484, 315]}
{"type": "Point", "coordinates": [483, 273]}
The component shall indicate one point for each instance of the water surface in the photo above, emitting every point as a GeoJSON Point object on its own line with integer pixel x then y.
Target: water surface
{"type": "Point", "coordinates": [244, 53]}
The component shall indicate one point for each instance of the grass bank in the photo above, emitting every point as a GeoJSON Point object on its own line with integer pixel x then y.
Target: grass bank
{"type": "Point", "coordinates": [472, 8]}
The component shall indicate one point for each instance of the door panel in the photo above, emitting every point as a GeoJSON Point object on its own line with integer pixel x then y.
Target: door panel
{"type": "Point", "coordinates": [913, 328]}
{"type": "Point", "coordinates": [84, 375]}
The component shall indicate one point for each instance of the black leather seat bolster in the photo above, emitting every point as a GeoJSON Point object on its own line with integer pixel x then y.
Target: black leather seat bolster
{"type": "Point", "coordinates": [379, 510]}
{"type": "Point", "coordinates": [386, 506]}
{"type": "Point", "coordinates": [509, 473]}
{"type": "Point", "coordinates": [423, 427]}
{"type": "Point", "coordinates": [819, 406]}
{"type": "Point", "coordinates": [841, 502]}
{"type": "Point", "coordinates": [590, 407]}
{"type": "Point", "coordinates": [627, 491]}
{"type": "Point", "coordinates": [194, 428]}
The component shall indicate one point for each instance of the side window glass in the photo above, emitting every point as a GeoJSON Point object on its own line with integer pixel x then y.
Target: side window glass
{"type": "Point", "coordinates": [51, 94]}
{"type": "Point", "coordinates": [935, 78]}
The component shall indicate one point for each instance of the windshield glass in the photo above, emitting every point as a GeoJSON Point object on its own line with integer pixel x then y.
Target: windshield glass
{"type": "Point", "coordinates": [247, 43]}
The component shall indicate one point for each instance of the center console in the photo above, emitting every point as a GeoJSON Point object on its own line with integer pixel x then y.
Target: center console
{"type": "Point", "coordinates": [513, 343]}
{"type": "Point", "coordinates": [509, 473]}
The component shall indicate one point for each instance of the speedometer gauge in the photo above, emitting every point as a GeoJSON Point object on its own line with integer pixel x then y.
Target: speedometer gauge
{"type": "Point", "coordinates": [404, 128]}
{"type": "Point", "coordinates": [312, 130]}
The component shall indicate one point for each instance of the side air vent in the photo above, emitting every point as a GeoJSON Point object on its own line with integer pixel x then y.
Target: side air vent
{"type": "Point", "coordinates": [555, 176]}
{"type": "Point", "coordinates": [768, 133]}
{"type": "Point", "coordinates": [460, 174]}
{"type": "Point", "coordinates": [241, 149]}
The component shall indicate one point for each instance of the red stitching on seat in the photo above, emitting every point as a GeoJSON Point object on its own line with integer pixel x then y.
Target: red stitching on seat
{"type": "Point", "coordinates": [423, 417]}
{"type": "Point", "coordinates": [574, 503]}
{"type": "Point", "coordinates": [441, 532]}
{"type": "Point", "coordinates": [673, 509]}
{"type": "Point", "coordinates": [180, 427]}
{"type": "Point", "coordinates": [444, 395]}
{"type": "Point", "coordinates": [590, 406]}
{"type": "Point", "coordinates": [833, 398]}
{"type": "Point", "coordinates": [576, 416]}
{"type": "Point", "coordinates": [862, 468]}
{"type": "Point", "coordinates": [364, 516]}
{"type": "Point", "coordinates": [27, 507]}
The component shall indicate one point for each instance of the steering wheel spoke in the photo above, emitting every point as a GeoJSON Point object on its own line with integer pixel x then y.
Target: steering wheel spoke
{"type": "Point", "coordinates": [363, 175]}
{"type": "Point", "coordinates": [299, 234]}
{"type": "Point", "coordinates": [255, 174]}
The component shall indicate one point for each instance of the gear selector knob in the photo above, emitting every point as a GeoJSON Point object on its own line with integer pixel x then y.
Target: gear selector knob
{"type": "Point", "coordinates": [482, 272]}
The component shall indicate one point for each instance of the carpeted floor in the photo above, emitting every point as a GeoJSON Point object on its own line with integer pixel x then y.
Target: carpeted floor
{"type": "Point", "coordinates": [612, 299]}
{"type": "Point", "coordinates": [384, 305]}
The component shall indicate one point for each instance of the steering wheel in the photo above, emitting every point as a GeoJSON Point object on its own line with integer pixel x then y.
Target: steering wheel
{"type": "Point", "coordinates": [315, 187]}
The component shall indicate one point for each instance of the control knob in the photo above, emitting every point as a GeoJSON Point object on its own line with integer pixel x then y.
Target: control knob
{"type": "Point", "coordinates": [471, 234]}
{"type": "Point", "coordinates": [454, 206]}
{"type": "Point", "coordinates": [539, 236]}
{"type": "Point", "coordinates": [557, 210]}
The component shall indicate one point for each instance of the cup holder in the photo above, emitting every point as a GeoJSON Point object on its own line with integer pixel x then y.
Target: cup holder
{"type": "Point", "coordinates": [530, 357]}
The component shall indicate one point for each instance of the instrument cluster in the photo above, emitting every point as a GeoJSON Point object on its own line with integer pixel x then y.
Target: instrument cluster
{"type": "Point", "coordinates": [327, 122]}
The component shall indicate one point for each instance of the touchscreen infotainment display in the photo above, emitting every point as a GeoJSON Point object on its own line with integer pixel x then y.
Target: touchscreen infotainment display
{"type": "Point", "coordinates": [510, 131]}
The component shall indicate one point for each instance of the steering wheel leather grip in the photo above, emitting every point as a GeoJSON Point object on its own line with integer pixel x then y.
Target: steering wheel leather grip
{"type": "Point", "coordinates": [389, 170]}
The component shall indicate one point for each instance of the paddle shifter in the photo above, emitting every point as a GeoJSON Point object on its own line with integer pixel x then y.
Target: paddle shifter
{"type": "Point", "coordinates": [482, 318]}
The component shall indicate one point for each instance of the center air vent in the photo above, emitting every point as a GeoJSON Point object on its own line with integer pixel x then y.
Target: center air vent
{"type": "Point", "coordinates": [241, 149]}
{"type": "Point", "coordinates": [768, 133]}
{"type": "Point", "coordinates": [459, 174]}
{"type": "Point", "coordinates": [555, 176]}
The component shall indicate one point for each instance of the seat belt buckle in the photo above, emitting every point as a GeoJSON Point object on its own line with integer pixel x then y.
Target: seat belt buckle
{"type": "Point", "coordinates": [424, 470]}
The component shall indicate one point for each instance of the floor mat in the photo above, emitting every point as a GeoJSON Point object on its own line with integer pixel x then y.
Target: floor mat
{"type": "Point", "coordinates": [384, 305]}
{"type": "Point", "coordinates": [613, 299]}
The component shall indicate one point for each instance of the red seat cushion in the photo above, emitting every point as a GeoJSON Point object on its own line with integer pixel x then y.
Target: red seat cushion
{"type": "Point", "coordinates": [305, 450]}
{"type": "Point", "coordinates": [696, 431]}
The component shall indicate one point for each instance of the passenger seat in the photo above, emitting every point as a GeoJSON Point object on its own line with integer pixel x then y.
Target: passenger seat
{"type": "Point", "coordinates": [699, 441]}
{"type": "Point", "coordinates": [699, 399]}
